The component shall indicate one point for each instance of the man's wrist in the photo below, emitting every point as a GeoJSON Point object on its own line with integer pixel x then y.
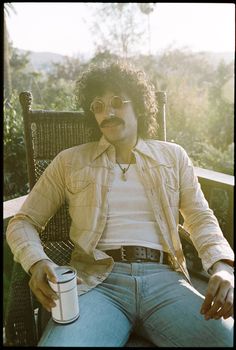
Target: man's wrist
{"type": "Point", "coordinates": [222, 265]}
{"type": "Point", "coordinates": [36, 263]}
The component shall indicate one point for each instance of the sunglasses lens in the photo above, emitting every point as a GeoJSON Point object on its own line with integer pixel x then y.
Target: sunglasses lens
{"type": "Point", "coordinates": [116, 102]}
{"type": "Point", "coordinates": [97, 107]}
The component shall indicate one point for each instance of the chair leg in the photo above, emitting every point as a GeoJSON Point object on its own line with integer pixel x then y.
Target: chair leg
{"type": "Point", "coordinates": [20, 325]}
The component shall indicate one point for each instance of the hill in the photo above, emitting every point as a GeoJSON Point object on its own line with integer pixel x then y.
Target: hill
{"type": "Point", "coordinates": [44, 60]}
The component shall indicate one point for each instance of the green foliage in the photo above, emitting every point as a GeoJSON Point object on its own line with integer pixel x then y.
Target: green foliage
{"type": "Point", "coordinates": [198, 118]}
{"type": "Point", "coordinates": [57, 95]}
{"type": "Point", "coordinates": [7, 271]}
{"type": "Point", "coordinates": [55, 90]}
{"type": "Point", "coordinates": [21, 76]}
{"type": "Point", "coordinates": [15, 170]}
{"type": "Point", "coordinates": [220, 122]}
{"type": "Point", "coordinates": [184, 76]}
{"type": "Point", "coordinates": [207, 156]}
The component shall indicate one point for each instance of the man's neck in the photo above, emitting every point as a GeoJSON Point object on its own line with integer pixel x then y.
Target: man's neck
{"type": "Point", "coordinates": [124, 152]}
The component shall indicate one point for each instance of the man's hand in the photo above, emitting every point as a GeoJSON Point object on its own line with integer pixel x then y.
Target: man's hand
{"type": "Point", "coordinates": [219, 296]}
{"type": "Point", "coordinates": [41, 272]}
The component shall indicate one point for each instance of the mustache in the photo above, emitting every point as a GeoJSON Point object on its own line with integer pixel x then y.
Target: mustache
{"type": "Point", "coordinates": [113, 120]}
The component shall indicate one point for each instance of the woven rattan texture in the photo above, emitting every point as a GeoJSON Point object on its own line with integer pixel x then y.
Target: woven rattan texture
{"type": "Point", "coordinates": [49, 133]}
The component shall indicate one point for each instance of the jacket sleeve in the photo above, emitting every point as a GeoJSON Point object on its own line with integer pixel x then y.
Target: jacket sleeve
{"type": "Point", "coordinates": [41, 204]}
{"type": "Point", "coordinates": [199, 219]}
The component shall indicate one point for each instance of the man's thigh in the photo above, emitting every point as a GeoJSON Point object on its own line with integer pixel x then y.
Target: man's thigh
{"type": "Point", "coordinates": [171, 315]}
{"type": "Point", "coordinates": [101, 323]}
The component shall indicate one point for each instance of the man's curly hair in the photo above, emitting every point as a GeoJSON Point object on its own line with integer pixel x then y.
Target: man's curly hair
{"type": "Point", "coordinates": [119, 77]}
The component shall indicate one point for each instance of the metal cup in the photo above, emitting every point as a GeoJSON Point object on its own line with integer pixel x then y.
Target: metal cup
{"type": "Point", "coordinates": [67, 306]}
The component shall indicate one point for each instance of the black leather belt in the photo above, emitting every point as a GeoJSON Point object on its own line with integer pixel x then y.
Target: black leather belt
{"type": "Point", "coordinates": [138, 254]}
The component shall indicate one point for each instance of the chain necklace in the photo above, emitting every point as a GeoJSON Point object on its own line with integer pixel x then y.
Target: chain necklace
{"type": "Point", "coordinates": [124, 170]}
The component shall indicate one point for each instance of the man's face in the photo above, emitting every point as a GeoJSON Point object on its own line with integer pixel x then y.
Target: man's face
{"type": "Point", "coordinates": [115, 117]}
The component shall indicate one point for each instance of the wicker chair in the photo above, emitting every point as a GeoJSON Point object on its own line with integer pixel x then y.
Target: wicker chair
{"type": "Point", "coordinates": [46, 134]}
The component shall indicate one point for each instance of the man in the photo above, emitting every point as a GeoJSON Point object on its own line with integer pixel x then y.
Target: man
{"type": "Point", "coordinates": [124, 194]}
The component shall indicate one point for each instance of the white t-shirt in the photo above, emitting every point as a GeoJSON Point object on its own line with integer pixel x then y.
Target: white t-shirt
{"type": "Point", "coordinates": [130, 216]}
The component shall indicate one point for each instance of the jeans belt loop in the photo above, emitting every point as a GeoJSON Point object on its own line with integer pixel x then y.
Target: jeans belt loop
{"type": "Point", "coordinates": [161, 257]}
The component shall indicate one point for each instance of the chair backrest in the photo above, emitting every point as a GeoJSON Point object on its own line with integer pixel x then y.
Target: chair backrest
{"type": "Point", "coordinates": [47, 133]}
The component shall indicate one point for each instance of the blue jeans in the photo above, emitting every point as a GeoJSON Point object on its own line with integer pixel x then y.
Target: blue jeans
{"type": "Point", "coordinates": [149, 297]}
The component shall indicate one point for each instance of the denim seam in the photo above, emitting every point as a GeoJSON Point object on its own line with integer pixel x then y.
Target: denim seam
{"type": "Point", "coordinates": [161, 335]}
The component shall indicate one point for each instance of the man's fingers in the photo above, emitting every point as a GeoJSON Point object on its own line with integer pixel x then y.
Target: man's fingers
{"type": "Point", "coordinates": [219, 299]}
{"type": "Point", "coordinates": [79, 280]}
{"type": "Point", "coordinates": [229, 313]}
{"type": "Point", "coordinates": [210, 295]}
{"type": "Point", "coordinates": [51, 275]}
{"type": "Point", "coordinates": [218, 303]}
{"type": "Point", "coordinates": [207, 303]}
{"type": "Point", "coordinates": [223, 312]}
{"type": "Point", "coordinates": [227, 309]}
{"type": "Point", "coordinates": [48, 291]}
{"type": "Point", "coordinates": [47, 303]}
{"type": "Point", "coordinates": [211, 313]}
{"type": "Point", "coordinates": [44, 291]}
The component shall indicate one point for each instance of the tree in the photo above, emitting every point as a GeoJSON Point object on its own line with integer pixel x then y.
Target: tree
{"type": "Point", "coordinates": [15, 170]}
{"type": "Point", "coordinates": [117, 28]}
{"type": "Point", "coordinates": [147, 8]}
{"type": "Point", "coordinates": [57, 87]}
{"type": "Point", "coordinates": [19, 66]}
{"type": "Point", "coordinates": [220, 119]}
{"type": "Point", "coordinates": [7, 71]}
{"type": "Point", "coordinates": [182, 75]}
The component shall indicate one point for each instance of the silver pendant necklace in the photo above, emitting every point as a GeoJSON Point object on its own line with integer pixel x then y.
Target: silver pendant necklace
{"type": "Point", "coordinates": [124, 170]}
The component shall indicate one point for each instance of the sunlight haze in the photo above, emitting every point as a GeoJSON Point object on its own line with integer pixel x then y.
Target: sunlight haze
{"type": "Point", "coordinates": [63, 28]}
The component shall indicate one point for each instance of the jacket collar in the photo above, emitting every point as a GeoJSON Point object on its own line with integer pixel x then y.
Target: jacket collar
{"type": "Point", "coordinates": [142, 147]}
{"type": "Point", "coordinates": [157, 153]}
{"type": "Point", "coordinates": [155, 150]}
{"type": "Point", "coordinates": [101, 147]}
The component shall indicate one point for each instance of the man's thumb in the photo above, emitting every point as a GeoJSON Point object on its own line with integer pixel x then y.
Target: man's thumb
{"type": "Point", "coordinates": [51, 274]}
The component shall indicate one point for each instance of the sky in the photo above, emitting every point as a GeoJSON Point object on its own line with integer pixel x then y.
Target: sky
{"type": "Point", "coordinates": [64, 27]}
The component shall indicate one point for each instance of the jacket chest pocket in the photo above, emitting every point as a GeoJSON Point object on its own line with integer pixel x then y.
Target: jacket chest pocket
{"type": "Point", "coordinates": [172, 193]}
{"type": "Point", "coordinates": [168, 178]}
{"type": "Point", "coordinates": [81, 193]}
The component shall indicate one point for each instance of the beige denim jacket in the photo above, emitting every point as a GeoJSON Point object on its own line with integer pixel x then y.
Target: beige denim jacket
{"type": "Point", "coordinates": [83, 175]}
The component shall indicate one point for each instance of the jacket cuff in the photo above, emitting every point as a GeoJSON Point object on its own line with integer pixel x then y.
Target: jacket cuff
{"type": "Point", "coordinates": [209, 261]}
{"type": "Point", "coordinates": [29, 256]}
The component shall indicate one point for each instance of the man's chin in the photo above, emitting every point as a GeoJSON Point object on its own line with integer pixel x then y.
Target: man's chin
{"type": "Point", "coordinates": [114, 139]}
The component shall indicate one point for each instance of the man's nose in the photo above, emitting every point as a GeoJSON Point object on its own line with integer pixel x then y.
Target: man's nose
{"type": "Point", "coordinates": [110, 112]}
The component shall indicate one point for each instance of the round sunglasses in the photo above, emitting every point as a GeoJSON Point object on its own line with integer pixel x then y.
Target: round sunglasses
{"type": "Point", "coordinates": [98, 106]}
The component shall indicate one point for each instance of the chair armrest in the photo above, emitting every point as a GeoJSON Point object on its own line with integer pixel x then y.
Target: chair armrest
{"type": "Point", "coordinates": [20, 326]}
{"type": "Point", "coordinates": [12, 206]}
{"type": "Point", "coordinates": [193, 261]}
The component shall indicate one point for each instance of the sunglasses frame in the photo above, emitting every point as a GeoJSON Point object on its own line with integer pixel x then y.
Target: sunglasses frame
{"type": "Point", "coordinates": [110, 104]}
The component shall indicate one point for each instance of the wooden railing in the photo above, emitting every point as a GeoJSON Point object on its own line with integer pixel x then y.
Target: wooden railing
{"type": "Point", "coordinates": [218, 189]}
{"type": "Point", "coordinates": [10, 208]}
